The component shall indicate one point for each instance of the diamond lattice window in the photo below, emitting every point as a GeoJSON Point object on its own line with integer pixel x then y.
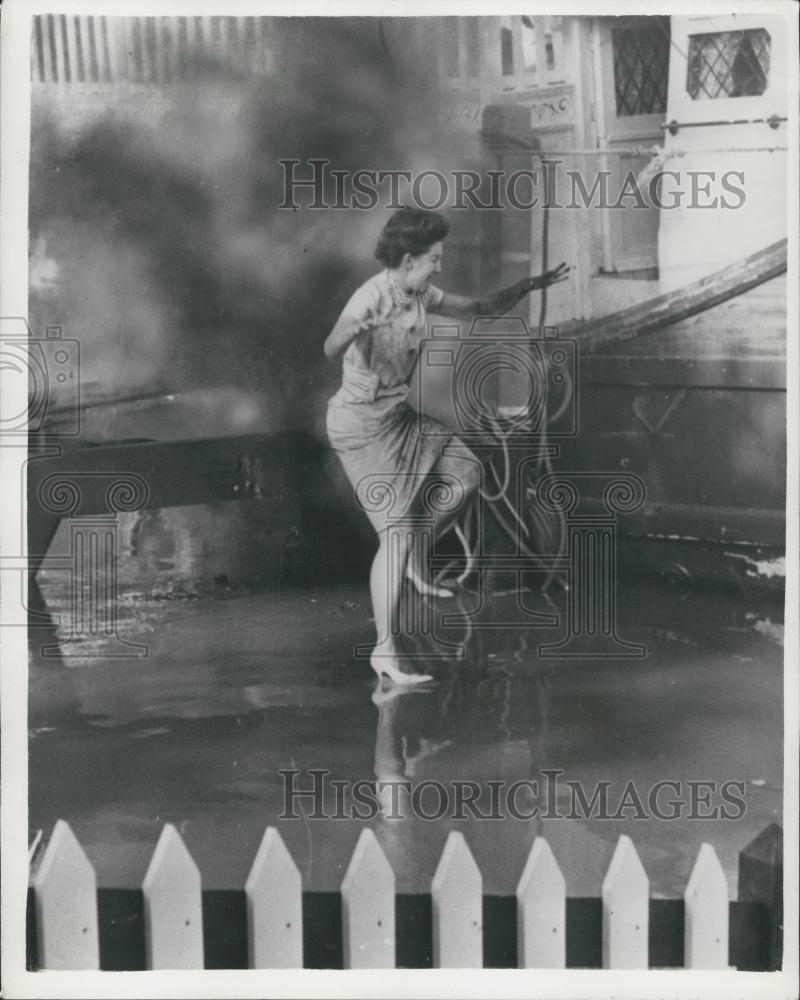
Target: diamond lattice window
{"type": "Point", "coordinates": [641, 60]}
{"type": "Point", "coordinates": [728, 64]}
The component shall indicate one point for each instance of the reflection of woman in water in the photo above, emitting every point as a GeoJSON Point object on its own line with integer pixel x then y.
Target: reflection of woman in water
{"type": "Point", "coordinates": [381, 441]}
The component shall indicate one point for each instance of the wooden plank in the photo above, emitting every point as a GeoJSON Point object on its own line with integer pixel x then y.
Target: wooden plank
{"type": "Point", "coordinates": [49, 41]}
{"type": "Point", "coordinates": [62, 53]}
{"type": "Point", "coordinates": [82, 32]}
{"type": "Point", "coordinates": [664, 310]}
{"type": "Point", "coordinates": [105, 71]}
{"type": "Point", "coordinates": [706, 921]}
{"type": "Point", "coordinates": [248, 41]}
{"type": "Point", "coordinates": [115, 50]}
{"type": "Point", "coordinates": [135, 45]}
{"type": "Point", "coordinates": [176, 472]}
{"type": "Point", "coordinates": [149, 69]}
{"type": "Point", "coordinates": [37, 49]}
{"type": "Point", "coordinates": [625, 910]}
{"type": "Point", "coordinates": [457, 908]}
{"type": "Point", "coordinates": [94, 49]}
{"type": "Point", "coordinates": [368, 919]}
{"type": "Point", "coordinates": [208, 47]}
{"type": "Point", "coordinates": [173, 914]}
{"type": "Point", "coordinates": [66, 905]}
{"type": "Point", "coordinates": [752, 374]}
{"type": "Point", "coordinates": [761, 881]}
{"type": "Point", "coordinates": [233, 29]}
{"type": "Point", "coordinates": [66, 42]}
{"type": "Point", "coordinates": [266, 58]}
{"type": "Point", "coordinates": [749, 327]}
{"type": "Point", "coordinates": [199, 34]}
{"type": "Point", "coordinates": [166, 32]}
{"type": "Point", "coordinates": [273, 891]}
{"type": "Point", "coordinates": [182, 48]}
{"type": "Point", "coordinates": [672, 522]}
{"type": "Point", "coordinates": [72, 42]}
{"type": "Point", "coordinates": [541, 911]}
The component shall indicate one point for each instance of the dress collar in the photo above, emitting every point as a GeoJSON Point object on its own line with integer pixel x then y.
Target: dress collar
{"type": "Point", "coordinates": [403, 297]}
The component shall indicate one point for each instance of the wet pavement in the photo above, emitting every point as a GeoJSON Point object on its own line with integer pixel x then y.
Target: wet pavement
{"type": "Point", "coordinates": [236, 688]}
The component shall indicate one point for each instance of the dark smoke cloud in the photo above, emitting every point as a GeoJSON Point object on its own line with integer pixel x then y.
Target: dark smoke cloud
{"type": "Point", "coordinates": [175, 267]}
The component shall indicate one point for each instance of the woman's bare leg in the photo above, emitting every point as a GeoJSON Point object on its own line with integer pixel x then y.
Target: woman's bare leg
{"type": "Point", "coordinates": [386, 583]}
{"type": "Point", "coordinates": [456, 466]}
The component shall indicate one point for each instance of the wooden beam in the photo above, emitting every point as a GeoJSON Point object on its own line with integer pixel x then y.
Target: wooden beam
{"type": "Point", "coordinates": [663, 310]}
{"type": "Point", "coordinates": [761, 881]}
{"type": "Point", "coordinates": [176, 473]}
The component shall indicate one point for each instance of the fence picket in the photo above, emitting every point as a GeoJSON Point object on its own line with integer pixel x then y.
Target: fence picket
{"type": "Point", "coordinates": [541, 911]}
{"type": "Point", "coordinates": [273, 891]}
{"type": "Point", "coordinates": [625, 910]}
{"type": "Point", "coordinates": [457, 908]}
{"type": "Point", "coordinates": [706, 922]}
{"type": "Point", "coordinates": [173, 914]}
{"type": "Point", "coordinates": [761, 881]}
{"type": "Point", "coordinates": [66, 921]}
{"type": "Point", "coordinates": [368, 907]}
{"type": "Point", "coordinates": [65, 889]}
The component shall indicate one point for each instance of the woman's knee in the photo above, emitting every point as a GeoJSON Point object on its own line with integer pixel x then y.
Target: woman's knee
{"type": "Point", "coordinates": [465, 478]}
{"type": "Point", "coordinates": [462, 466]}
{"type": "Point", "coordinates": [471, 477]}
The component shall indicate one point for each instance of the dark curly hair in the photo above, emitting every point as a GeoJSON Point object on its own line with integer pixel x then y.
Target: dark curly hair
{"type": "Point", "coordinates": [411, 230]}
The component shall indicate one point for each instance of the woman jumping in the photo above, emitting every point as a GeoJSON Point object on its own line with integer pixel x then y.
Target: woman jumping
{"type": "Point", "coordinates": [378, 437]}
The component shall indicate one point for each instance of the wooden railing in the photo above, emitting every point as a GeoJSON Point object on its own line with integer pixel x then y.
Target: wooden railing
{"type": "Point", "coordinates": [172, 923]}
{"type": "Point", "coordinates": [95, 50]}
{"type": "Point", "coordinates": [92, 51]}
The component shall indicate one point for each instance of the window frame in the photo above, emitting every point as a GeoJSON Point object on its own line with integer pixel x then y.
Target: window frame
{"type": "Point", "coordinates": [773, 101]}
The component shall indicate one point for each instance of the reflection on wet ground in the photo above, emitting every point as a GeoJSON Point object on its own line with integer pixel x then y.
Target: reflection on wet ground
{"type": "Point", "coordinates": [236, 689]}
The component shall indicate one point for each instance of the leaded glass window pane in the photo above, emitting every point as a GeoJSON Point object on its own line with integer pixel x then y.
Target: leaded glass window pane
{"type": "Point", "coordinates": [728, 64]}
{"type": "Point", "coordinates": [641, 61]}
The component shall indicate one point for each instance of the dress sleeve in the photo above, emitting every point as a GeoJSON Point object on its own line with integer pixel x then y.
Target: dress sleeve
{"type": "Point", "coordinates": [432, 298]}
{"type": "Point", "coordinates": [363, 304]}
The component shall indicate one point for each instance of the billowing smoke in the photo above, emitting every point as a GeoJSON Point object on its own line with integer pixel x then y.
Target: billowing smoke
{"type": "Point", "coordinates": [158, 218]}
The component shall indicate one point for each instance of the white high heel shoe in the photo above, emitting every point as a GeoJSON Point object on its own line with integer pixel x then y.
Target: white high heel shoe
{"type": "Point", "coordinates": [383, 667]}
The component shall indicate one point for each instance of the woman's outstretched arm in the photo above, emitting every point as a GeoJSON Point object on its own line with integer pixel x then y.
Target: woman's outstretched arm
{"type": "Point", "coordinates": [463, 307]}
{"type": "Point", "coordinates": [343, 334]}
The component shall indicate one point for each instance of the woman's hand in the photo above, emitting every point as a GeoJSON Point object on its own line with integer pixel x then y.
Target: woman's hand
{"type": "Point", "coordinates": [552, 277]}
{"type": "Point", "coordinates": [500, 302]}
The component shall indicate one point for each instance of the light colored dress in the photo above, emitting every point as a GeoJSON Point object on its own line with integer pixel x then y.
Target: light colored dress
{"type": "Point", "coordinates": [386, 447]}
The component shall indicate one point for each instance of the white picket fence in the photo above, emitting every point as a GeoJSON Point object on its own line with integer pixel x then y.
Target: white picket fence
{"type": "Point", "coordinates": [65, 891]}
